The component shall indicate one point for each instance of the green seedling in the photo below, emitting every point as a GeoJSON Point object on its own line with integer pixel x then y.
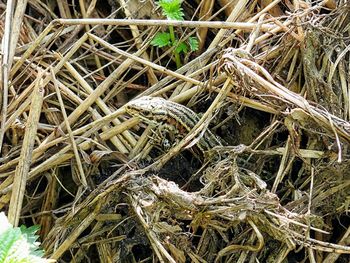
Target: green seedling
{"type": "Point", "coordinates": [173, 11]}
{"type": "Point", "coordinates": [19, 244]}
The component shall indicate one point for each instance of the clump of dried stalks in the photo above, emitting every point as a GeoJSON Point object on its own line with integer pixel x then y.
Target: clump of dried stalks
{"type": "Point", "coordinates": [72, 161]}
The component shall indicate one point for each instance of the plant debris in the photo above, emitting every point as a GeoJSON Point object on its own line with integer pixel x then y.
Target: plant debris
{"type": "Point", "coordinates": [268, 79]}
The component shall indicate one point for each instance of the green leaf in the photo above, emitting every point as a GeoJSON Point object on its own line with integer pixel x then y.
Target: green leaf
{"type": "Point", "coordinates": [8, 239]}
{"type": "Point", "coordinates": [172, 9]}
{"type": "Point", "coordinates": [194, 44]}
{"type": "Point", "coordinates": [19, 245]}
{"type": "Point", "coordinates": [29, 234]}
{"type": "Point", "coordinates": [161, 40]}
{"type": "Point", "coordinates": [181, 47]}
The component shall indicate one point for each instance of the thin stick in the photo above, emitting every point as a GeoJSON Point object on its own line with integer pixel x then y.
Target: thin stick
{"type": "Point", "coordinates": [151, 22]}
{"type": "Point", "coordinates": [5, 50]}
{"type": "Point", "coordinates": [69, 130]}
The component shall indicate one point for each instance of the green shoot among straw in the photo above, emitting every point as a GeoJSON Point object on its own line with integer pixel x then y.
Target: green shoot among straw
{"type": "Point", "coordinates": [173, 11]}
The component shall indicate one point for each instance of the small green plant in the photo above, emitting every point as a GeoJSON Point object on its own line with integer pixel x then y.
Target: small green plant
{"type": "Point", "coordinates": [173, 11]}
{"type": "Point", "coordinates": [19, 244]}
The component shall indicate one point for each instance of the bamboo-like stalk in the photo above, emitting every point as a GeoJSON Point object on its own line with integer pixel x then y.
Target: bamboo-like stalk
{"type": "Point", "coordinates": [22, 170]}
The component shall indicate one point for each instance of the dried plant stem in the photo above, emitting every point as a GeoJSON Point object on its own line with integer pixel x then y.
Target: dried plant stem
{"type": "Point", "coordinates": [21, 174]}
{"type": "Point", "coordinates": [69, 130]}
{"type": "Point", "coordinates": [191, 24]}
